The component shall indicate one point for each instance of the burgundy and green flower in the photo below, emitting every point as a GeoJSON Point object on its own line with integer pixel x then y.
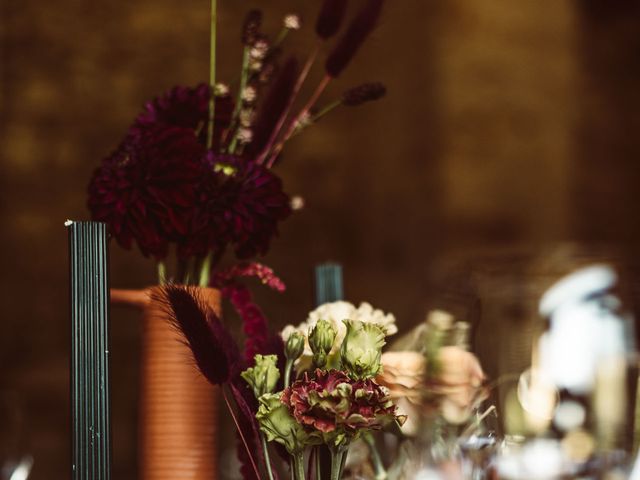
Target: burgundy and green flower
{"type": "Point", "coordinates": [340, 408]}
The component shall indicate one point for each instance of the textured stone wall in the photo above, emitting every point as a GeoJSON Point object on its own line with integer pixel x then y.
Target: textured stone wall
{"type": "Point", "coordinates": [508, 127]}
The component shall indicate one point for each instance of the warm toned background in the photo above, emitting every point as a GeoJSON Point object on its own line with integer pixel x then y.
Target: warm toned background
{"type": "Point", "coordinates": [505, 153]}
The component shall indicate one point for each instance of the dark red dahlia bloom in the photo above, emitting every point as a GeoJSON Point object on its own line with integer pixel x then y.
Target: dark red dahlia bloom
{"type": "Point", "coordinates": [239, 203]}
{"type": "Point", "coordinates": [186, 107]}
{"type": "Point", "coordinates": [330, 401]}
{"type": "Point", "coordinates": [145, 189]}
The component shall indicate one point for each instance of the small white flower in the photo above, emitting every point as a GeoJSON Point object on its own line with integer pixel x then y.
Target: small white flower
{"type": "Point", "coordinates": [292, 22]}
{"type": "Point", "coordinates": [255, 65]}
{"type": "Point", "coordinates": [297, 202]}
{"type": "Point", "coordinates": [246, 117]}
{"type": "Point", "coordinates": [244, 135]}
{"type": "Point", "coordinates": [335, 313]}
{"type": "Point", "coordinates": [221, 90]}
{"type": "Point", "coordinates": [259, 50]}
{"type": "Point", "coordinates": [249, 94]}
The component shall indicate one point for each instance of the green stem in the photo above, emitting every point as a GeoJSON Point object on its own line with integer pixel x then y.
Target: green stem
{"type": "Point", "coordinates": [381, 473]}
{"type": "Point", "coordinates": [343, 462]}
{"type": "Point", "coordinates": [282, 34]}
{"type": "Point", "coordinates": [212, 74]}
{"type": "Point", "coordinates": [162, 272]}
{"type": "Point", "coordinates": [188, 272]}
{"type": "Point", "coordinates": [336, 463]}
{"type": "Point", "coordinates": [318, 463]}
{"type": "Point", "coordinates": [326, 109]}
{"type": "Point", "coordinates": [298, 464]}
{"type": "Point", "coordinates": [267, 458]}
{"type": "Point", "coordinates": [296, 119]}
{"type": "Point", "coordinates": [243, 85]}
{"type": "Point", "coordinates": [294, 93]}
{"type": "Point", "coordinates": [205, 269]}
{"type": "Point", "coordinates": [239, 430]}
{"type": "Point", "coordinates": [288, 366]}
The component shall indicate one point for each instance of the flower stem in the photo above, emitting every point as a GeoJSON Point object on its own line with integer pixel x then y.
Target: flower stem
{"type": "Point", "coordinates": [298, 464]}
{"type": "Point", "coordinates": [296, 120]}
{"type": "Point", "coordinates": [318, 463]}
{"type": "Point", "coordinates": [288, 366]}
{"type": "Point", "coordinates": [267, 458]}
{"type": "Point", "coordinates": [336, 463]}
{"type": "Point", "coordinates": [212, 74]}
{"type": "Point", "coordinates": [326, 109]}
{"type": "Point", "coordinates": [204, 270]}
{"type": "Point", "coordinates": [282, 34]}
{"type": "Point", "coordinates": [162, 272]}
{"type": "Point", "coordinates": [244, 76]}
{"type": "Point", "coordinates": [294, 93]}
{"type": "Point", "coordinates": [244, 440]}
{"type": "Point", "coordinates": [381, 473]}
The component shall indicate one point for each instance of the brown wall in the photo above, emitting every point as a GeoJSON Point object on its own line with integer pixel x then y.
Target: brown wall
{"type": "Point", "coordinates": [509, 129]}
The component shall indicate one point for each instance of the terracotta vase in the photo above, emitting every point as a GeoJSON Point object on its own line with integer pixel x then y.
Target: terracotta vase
{"type": "Point", "coordinates": [178, 408]}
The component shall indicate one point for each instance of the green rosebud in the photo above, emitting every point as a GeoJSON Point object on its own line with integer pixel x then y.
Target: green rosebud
{"type": "Point", "coordinates": [294, 346]}
{"type": "Point", "coordinates": [280, 426]}
{"type": "Point", "coordinates": [263, 377]}
{"type": "Point", "coordinates": [362, 349]}
{"type": "Point", "coordinates": [321, 340]}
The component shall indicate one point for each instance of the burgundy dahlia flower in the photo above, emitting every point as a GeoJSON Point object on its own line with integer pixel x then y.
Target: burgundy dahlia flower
{"type": "Point", "coordinates": [238, 203]}
{"type": "Point", "coordinates": [186, 107]}
{"type": "Point", "coordinates": [145, 189]}
{"type": "Point", "coordinates": [329, 401]}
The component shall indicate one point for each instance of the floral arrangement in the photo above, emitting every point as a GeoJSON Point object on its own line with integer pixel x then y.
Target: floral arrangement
{"type": "Point", "coordinates": [277, 403]}
{"type": "Point", "coordinates": [193, 179]}
{"type": "Point", "coordinates": [326, 386]}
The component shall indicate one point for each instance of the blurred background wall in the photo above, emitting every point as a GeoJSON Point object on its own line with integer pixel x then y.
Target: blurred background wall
{"type": "Point", "coordinates": [505, 153]}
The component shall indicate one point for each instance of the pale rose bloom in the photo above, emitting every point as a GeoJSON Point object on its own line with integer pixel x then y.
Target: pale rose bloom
{"type": "Point", "coordinates": [335, 313]}
{"type": "Point", "coordinates": [457, 384]}
{"type": "Point", "coordinates": [403, 374]}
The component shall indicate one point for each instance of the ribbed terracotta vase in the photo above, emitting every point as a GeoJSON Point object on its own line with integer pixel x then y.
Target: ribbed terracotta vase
{"type": "Point", "coordinates": [178, 408]}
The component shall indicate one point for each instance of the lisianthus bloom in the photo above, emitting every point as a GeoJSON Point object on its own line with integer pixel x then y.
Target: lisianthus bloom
{"type": "Point", "coordinates": [362, 348]}
{"type": "Point", "coordinates": [335, 313]}
{"type": "Point", "coordinates": [239, 203]}
{"type": "Point", "coordinates": [263, 376]}
{"type": "Point", "coordinates": [145, 189]}
{"type": "Point", "coordinates": [338, 407]}
{"type": "Point", "coordinates": [277, 423]}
